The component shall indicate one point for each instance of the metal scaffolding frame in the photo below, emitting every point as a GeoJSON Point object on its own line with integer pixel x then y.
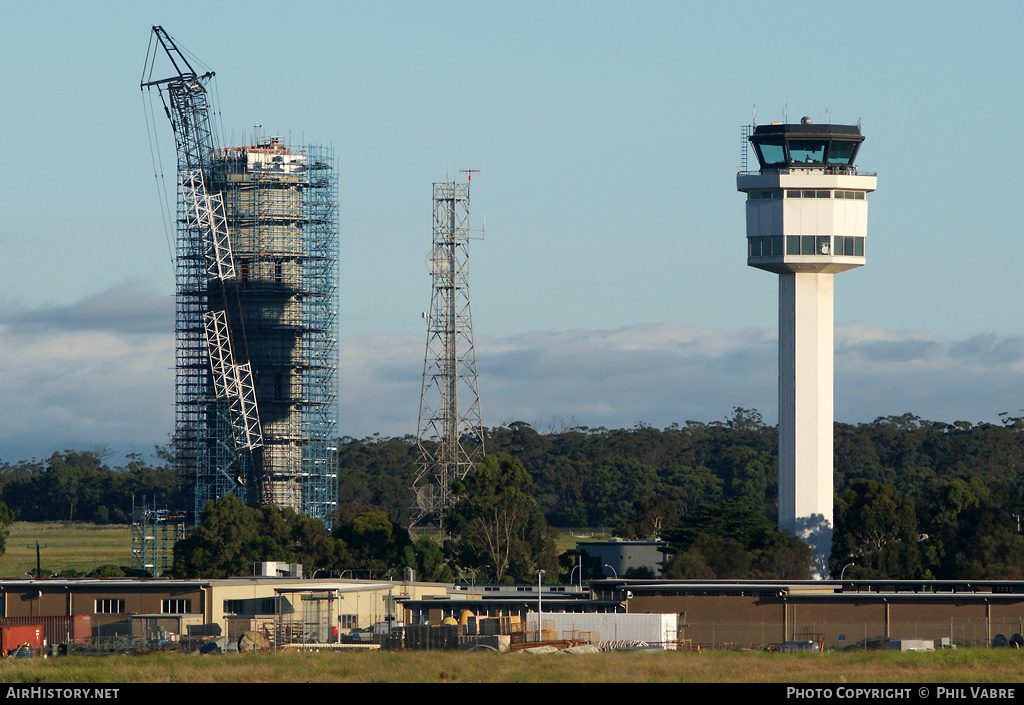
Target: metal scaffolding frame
{"type": "Point", "coordinates": [154, 532]}
{"type": "Point", "coordinates": [256, 300]}
{"type": "Point", "coordinates": [281, 212]}
{"type": "Point", "coordinates": [449, 429]}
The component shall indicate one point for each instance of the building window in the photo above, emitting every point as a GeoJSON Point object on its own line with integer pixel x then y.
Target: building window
{"type": "Point", "coordinates": [822, 245]}
{"type": "Point", "coordinates": [175, 606]}
{"type": "Point", "coordinates": [109, 606]}
{"type": "Point", "coordinates": [850, 246]}
{"type": "Point", "coordinates": [764, 245]}
{"type": "Point", "coordinates": [348, 621]}
{"type": "Point", "coordinates": [806, 151]}
{"type": "Point", "coordinates": [807, 193]}
{"type": "Point", "coordinates": [801, 244]}
{"type": "Point", "coordinates": [234, 606]}
{"type": "Point", "coordinates": [765, 195]}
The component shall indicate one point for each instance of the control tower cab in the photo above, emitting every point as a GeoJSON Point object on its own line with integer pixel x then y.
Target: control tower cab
{"type": "Point", "coordinates": [807, 207]}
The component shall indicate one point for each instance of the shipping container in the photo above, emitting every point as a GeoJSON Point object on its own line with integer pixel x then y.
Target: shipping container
{"type": "Point", "coordinates": [15, 636]}
{"type": "Point", "coordinates": [75, 629]}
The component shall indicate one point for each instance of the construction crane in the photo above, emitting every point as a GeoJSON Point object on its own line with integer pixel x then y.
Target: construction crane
{"type": "Point", "coordinates": [212, 351]}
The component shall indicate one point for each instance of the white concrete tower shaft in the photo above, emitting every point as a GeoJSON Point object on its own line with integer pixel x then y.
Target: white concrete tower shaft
{"type": "Point", "coordinates": [806, 221]}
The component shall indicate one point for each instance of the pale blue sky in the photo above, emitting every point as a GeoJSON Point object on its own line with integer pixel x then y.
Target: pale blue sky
{"type": "Point", "coordinates": [607, 135]}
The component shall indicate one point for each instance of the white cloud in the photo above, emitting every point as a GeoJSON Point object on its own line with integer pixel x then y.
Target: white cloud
{"type": "Point", "coordinates": [670, 372]}
{"type": "Point", "coordinates": [100, 372]}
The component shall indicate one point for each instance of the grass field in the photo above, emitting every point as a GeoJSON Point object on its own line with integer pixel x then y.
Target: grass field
{"type": "Point", "coordinates": [80, 547]}
{"type": "Point", "coordinates": [959, 666]}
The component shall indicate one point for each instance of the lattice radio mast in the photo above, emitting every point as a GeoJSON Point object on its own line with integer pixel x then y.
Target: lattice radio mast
{"type": "Point", "coordinates": [449, 429]}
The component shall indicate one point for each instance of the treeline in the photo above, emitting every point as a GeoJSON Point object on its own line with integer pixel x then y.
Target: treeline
{"type": "Point", "coordinates": [80, 486]}
{"type": "Point", "coordinates": [915, 498]}
{"type": "Point", "coordinates": [499, 535]}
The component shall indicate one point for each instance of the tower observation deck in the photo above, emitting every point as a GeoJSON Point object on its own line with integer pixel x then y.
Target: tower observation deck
{"type": "Point", "coordinates": [806, 214]}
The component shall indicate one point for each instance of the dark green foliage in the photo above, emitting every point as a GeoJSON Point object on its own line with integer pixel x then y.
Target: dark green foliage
{"type": "Point", "coordinates": [231, 538]}
{"type": "Point", "coordinates": [378, 472]}
{"type": "Point", "coordinates": [78, 486]}
{"type": "Point", "coordinates": [876, 534]}
{"type": "Point", "coordinates": [6, 519]}
{"type": "Point", "coordinates": [225, 544]}
{"type": "Point", "coordinates": [109, 570]}
{"type": "Point", "coordinates": [962, 483]}
{"type": "Point", "coordinates": [498, 529]}
{"type": "Point", "coordinates": [982, 542]}
{"type": "Point", "coordinates": [734, 540]}
{"type": "Point", "coordinates": [637, 480]}
{"type": "Point", "coordinates": [376, 544]}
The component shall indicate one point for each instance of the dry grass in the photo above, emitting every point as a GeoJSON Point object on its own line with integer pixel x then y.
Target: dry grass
{"type": "Point", "coordinates": [63, 546]}
{"type": "Point", "coordinates": [961, 666]}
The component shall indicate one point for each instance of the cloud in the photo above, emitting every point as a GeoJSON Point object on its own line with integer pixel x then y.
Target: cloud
{"type": "Point", "coordinates": [100, 373]}
{"type": "Point", "coordinates": [656, 374]}
{"type": "Point", "coordinates": [128, 307]}
{"type": "Point", "coordinates": [667, 373]}
{"type": "Point", "coordinates": [91, 374]}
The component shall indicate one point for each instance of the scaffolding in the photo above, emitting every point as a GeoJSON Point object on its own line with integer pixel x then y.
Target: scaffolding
{"type": "Point", "coordinates": [281, 212]}
{"type": "Point", "coordinates": [256, 293]}
{"type": "Point", "coordinates": [154, 532]}
{"type": "Point", "coordinates": [449, 429]}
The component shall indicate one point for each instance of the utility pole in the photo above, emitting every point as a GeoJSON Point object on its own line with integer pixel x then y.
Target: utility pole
{"type": "Point", "coordinates": [39, 564]}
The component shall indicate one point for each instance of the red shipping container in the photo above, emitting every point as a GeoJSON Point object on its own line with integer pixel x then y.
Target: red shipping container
{"type": "Point", "coordinates": [13, 636]}
{"type": "Point", "coordinates": [58, 630]}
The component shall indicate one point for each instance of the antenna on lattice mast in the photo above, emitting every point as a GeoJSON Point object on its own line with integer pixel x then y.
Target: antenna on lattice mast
{"type": "Point", "coordinates": [450, 430]}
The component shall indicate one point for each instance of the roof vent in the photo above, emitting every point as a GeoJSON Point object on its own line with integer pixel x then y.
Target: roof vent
{"type": "Point", "coordinates": [805, 120]}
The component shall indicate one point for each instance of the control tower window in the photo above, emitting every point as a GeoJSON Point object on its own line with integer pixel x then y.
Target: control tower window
{"type": "Point", "coordinates": [850, 246]}
{"type": "Point", "coordinates": [802, 245]}
{"type": "Point", "coordinates": [807, 151]}
{"type": "Point", "coordinates": [773, 153]}
{"type": "Point", "coordinates": [841, 152]}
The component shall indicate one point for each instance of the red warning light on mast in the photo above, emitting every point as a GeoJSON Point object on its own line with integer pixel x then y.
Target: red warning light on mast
{"type": "Point", "coordinates": [470, 172]}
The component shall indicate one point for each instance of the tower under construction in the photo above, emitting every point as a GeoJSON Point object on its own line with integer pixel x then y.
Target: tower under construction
{"type": "Point", "coordinates": [450, 428]}
{"type": "Point", "coordinates": [256, 299]}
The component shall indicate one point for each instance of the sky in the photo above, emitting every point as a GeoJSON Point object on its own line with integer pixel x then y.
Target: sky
{"type": "Point", "coordinates": [609, 287]}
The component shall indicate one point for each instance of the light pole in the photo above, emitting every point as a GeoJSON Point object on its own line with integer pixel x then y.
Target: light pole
{"type": "Point", "coordinates": [540, 574]}
{"type": "Point", "coordinates": [614, 574]}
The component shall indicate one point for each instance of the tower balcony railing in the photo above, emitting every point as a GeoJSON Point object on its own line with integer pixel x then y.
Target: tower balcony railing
{"type": "Point", "coordinates": [839, 170]}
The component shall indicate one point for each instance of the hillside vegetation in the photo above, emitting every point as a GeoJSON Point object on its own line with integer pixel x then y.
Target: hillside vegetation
{"type": "Point", "coordinates": [914, 498]}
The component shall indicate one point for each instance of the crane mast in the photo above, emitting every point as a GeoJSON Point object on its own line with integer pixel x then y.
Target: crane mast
{"type": "Point", "coordinates": [212, 351]}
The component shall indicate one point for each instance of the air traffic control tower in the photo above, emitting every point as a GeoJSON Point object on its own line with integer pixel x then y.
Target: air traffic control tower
{"type": "Point", "coordinates": [807, 216]}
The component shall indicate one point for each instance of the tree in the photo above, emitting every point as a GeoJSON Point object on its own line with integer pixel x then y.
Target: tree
{"type": "Point", "coordinates": [6, 519]}
{"type": "Point", "coordinates": [223, 545]}
{"type": "Point", "coordinates": [232, 537]}
{"type": "Point", "coordinates": [734, 540]}
{"type": "Point", "coordinates": [875, 533]}
{"type": "Point", "coordinates": [375, 542]}
{"type": "Point", "coordinates": [496, 526]}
